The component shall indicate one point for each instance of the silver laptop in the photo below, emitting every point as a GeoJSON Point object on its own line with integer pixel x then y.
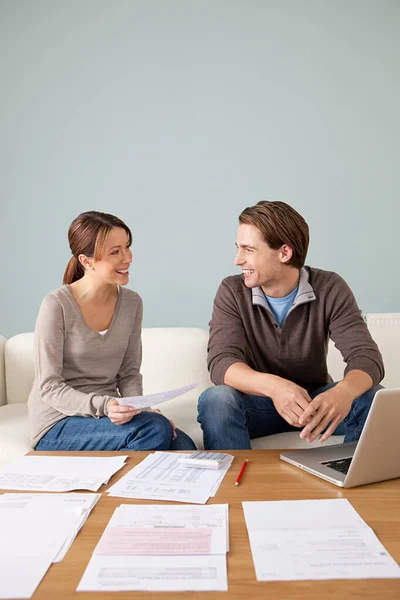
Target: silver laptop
{"type": "Point", "coordinates": [376, 456]}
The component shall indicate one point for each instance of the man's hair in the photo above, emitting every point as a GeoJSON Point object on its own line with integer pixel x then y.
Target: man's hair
{"type": "Point", "coordinates": [280, 224]}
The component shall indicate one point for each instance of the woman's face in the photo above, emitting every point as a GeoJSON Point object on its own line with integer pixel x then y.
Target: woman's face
{"type": "Point", "coordinates": [114, 265]}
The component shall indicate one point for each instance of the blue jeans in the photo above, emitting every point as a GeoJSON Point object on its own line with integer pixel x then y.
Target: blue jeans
{"type": "Point", "coordinates": [146, 431]}
{"type": "Point", "coordinates": [230, 419]}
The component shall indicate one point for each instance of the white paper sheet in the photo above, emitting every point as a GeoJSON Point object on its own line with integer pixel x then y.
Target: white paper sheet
{"type": "Point", "coordinates": [166, 530]}
{"type": "Point", "coordinates": [30, 540]}
{"type": "Point", "coordinates": [314, 539]}
{"type": "Point", "coordinates": [20, 577]}
{"type": "Point", "coordinates": [165, 573]}
{"type": "Point", "coordinates": [341, 553]}
{"type": "Point", "coordinates": [36, 532]}
{"type": "Point", "coordinates": [151, 400]}
{"type": "Point", "coordinates": [301, 514]}
{"type": "Point", "coordinates": [53, 501]}
{"type": "Point", "coordinates": [161, 477]}
{"type": "Point", "coordinates": [59, 473]}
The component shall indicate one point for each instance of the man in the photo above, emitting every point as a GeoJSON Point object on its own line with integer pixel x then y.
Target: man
{"type": "Point", "coordinates": [269, 337]}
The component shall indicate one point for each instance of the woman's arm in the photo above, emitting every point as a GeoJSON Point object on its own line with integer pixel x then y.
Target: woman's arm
{"type": "Point", "coordinates": [49, 356]}
{"type": "Point", "coordinates": [129, 378]}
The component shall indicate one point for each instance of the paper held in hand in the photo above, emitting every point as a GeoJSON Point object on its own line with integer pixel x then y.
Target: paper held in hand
{"type": "Point", "coordinates": [154, 399]}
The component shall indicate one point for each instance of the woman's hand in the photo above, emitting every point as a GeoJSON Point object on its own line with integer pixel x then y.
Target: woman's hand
{"type": "Point", "coordinates": [119, 414]}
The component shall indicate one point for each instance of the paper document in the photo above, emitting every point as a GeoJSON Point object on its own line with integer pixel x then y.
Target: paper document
{"type": "Point", "coordinates": [154, 399]}
{"type": "Point", "coordinates": [161, 477]}
{"type": "Point", "coordinates": [30, 540]}
{"type": "Point", "coordinates": [12, 585]}
{"type": "Point", "coordinates": [166, 530]}
{"type": "Point", "coordinates": [167, 574]}
{"type": "Point", "coordinates": [59, 473]}
{"type": "Point", "coordinates": [314, 539]}
{"type": "Point", "coordinates": [161, 548]}
{"type": "Point", "coordinates": [42, 502]}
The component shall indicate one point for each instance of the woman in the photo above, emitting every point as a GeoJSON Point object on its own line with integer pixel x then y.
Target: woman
{"type": "Point", "coordinates": [88, 351]}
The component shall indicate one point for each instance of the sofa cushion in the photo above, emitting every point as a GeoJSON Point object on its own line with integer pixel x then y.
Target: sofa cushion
{"type": "Point", "coordinates": [14, 437]}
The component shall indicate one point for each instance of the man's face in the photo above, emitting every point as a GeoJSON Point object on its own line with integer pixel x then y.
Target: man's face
{"type": "Point", "coordinates": [261, 265]}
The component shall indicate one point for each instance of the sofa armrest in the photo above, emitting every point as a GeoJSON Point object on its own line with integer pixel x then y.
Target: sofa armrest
{"type": "Point", "coordinates": [385, 329]}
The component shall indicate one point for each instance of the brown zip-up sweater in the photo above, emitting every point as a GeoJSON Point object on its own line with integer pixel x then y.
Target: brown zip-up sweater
{"type": "Point", "coordinates": [243, 329]}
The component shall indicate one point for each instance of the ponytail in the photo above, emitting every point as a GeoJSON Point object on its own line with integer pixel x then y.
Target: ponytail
{"type": "Point", "coordinates": [73, 272]}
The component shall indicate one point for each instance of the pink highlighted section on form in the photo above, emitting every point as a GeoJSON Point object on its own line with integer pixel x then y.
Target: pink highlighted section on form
{"type": "Point", "coordinates": [120, 541]}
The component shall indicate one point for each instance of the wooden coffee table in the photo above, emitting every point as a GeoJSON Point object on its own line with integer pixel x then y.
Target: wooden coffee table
{"type": "Point", "coordinates": [266, 478]}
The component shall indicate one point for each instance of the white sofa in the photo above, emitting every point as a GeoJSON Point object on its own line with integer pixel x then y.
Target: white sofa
{"type": "Point", "coordinates": [172, 357]}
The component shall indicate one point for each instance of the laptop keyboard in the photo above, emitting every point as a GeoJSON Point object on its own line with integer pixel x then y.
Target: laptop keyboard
{"type": "Point", "coordinates": [341, 464]}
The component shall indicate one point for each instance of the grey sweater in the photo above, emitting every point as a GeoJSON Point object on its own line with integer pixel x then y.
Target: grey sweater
{"type": "Point", "coordinates": [78, 370]}
{"type": "Point", "coordinates": [243, 329]}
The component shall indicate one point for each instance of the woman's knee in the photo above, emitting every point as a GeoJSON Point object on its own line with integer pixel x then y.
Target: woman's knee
{"type": "Point", "coordinates": [155, 428]}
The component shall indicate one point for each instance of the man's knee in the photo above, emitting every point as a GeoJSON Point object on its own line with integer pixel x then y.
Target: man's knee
{"type": "Point", "coordinates": [219, 400]}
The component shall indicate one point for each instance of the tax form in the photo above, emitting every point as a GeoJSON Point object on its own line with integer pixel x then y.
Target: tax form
{"type": "Point", "coordinates": [127, 573]}
{"type": "Point", "coordinates": [59, 473]}
{"type": "Point", "coordinates": [161, 548]}
{"type": "Point", "coordinates": [162, 530]}
{"type": "Point", "coordinates": [314, 539]}
{"type": "Point", "coordinates": [161, 477]}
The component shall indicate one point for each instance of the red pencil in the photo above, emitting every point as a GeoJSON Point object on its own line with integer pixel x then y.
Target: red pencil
{"type": "Point", "coordinates": [239, 477]}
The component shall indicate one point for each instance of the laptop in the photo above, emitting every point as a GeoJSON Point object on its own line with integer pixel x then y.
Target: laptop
{"type": "Point", "coordinates": [375, 457]}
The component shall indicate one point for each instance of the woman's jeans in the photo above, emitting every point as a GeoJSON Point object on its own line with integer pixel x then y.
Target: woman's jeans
{"type": "Point", "coordinates": [146, 431]}
{"type": "Point", "coordinates": [230, 419]}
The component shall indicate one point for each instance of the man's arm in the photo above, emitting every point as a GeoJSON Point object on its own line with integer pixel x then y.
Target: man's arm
{"type": "Point", "coordinates": [227, 360]}
{"type": "Point", "coordinates": [364, 362]}
{"type": "Point", "coordinates": [332, 406]}
{"type": "Point", "coordinates": [290, 400]}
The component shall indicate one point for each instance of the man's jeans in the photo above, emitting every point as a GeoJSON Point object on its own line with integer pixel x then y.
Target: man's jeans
{"type": "Point", "coordinates": [230, 419]}
{"type": "Point", "coordinates": [146, 431]}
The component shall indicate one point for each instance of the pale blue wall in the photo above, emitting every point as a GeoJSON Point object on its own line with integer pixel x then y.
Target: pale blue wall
{"type": "Point", "coordinates": [175, 115]}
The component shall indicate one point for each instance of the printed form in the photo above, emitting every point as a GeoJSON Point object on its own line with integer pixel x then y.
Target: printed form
{"type": "Point", "coordinates": [161, 477]}
{"type": "Point", "coordinates": [140, 546]}
{"type": "Point", "coordinates": [314, 539]}
{"type": "Point", "coordinates": [59, 473]}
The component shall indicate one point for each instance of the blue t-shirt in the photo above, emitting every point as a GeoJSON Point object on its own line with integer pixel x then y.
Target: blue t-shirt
{"type": "Point", "coordinates": [281, 306]}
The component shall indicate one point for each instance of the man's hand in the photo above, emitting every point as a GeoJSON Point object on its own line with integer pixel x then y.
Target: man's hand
{"type": "Point", "coordinates": [326, 411]}
{"type": "Point", "coordinates": [119, 414]}
{"type": "Point", "coordinates": [290, 400]}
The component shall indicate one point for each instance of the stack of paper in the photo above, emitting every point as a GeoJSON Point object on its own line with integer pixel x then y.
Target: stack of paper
{"type": "Point", "coordinates": [161, 548]}
{"type": "Point", "coordinates": [161, 477]}
{"type": "Point", "coordinates": [314, 539]}
{"type": "Point", "coordinates": [59, 473]}
{"type": "Point", "coordinates": [41, 502]}
{"type": "Point", "coordinates": [36, 530]}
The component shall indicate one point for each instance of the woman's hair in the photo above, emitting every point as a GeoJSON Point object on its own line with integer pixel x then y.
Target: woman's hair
{"type": "Point", "coordinates": [87, 235]}
{"type": "Point", "coordinates": [280, 224]}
